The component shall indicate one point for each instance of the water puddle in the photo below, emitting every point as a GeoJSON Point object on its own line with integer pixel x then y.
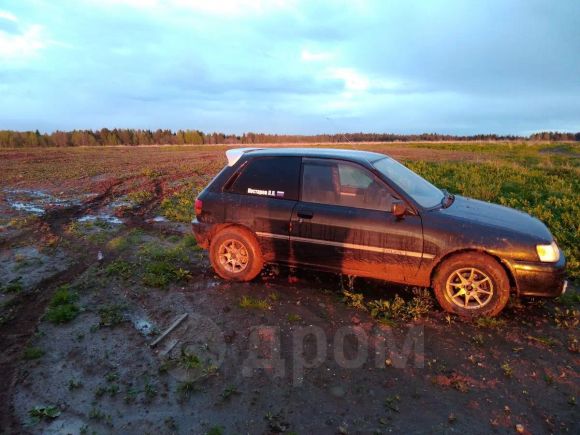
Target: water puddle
{"type": "Point", "coordinates": [26, 207]}
{"type": "Point", "coordinates": [123, 202]}
{"type": "Point", "coordinates": [144, 326]}
{"type": "Point", "coordinates": [37, 202]}
{"type": "Point", "coordinates": [113, 220]}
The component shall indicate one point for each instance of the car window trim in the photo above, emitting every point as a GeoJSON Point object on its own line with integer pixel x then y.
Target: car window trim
{"type": "Point", "coordinates": [234, 176]}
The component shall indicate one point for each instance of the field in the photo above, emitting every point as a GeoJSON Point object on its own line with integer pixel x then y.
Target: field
{"type": "Point", "coordinates": [96, 261]}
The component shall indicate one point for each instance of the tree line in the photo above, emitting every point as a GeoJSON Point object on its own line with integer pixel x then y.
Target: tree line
{"type": "Point", "coordinates": [106, 137]}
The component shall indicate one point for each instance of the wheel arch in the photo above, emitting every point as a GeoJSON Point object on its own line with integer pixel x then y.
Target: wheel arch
{"type": "Point", "coordinates": [218, 228]}
{"type": "Point", "coordinates": [505, 266]}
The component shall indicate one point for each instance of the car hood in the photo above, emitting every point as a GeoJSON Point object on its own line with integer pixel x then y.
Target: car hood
{"type": "Point", "coordinates": [489, 214]}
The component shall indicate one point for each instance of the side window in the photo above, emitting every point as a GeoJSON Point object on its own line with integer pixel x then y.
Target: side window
{"type": "Point", "coordinates": [354, 177]}
{"type": "Point", "coordinates": [275, 177]}
{"type": "Point", "coordinates": [345, 184]}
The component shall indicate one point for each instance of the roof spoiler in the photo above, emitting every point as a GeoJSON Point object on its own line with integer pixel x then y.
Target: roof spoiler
{"type": "Point", "coordinates": [234, 154]}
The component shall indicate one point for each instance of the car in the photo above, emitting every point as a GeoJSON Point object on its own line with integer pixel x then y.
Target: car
{"type": "Point", "coordinates": [363, 213]}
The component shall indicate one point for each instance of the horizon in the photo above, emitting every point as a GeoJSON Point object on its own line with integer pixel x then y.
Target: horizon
{"type": "Point", "coordinates": [291, 67]}
{"type": "Point", "coordinates": [323, 133]}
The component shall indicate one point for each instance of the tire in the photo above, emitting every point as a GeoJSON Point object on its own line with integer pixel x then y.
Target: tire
{"type": "Point", "coordinates": [471, 285]}
{"type": "Point", "coordinates": [235, 254]}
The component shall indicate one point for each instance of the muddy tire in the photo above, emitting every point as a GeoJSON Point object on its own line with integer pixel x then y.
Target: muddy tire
{"type": "Point", "coordinates": [235, 254]}
{"type": "Point", "coordinates": [471, 285]}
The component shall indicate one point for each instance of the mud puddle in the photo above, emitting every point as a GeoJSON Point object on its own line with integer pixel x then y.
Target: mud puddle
{"type": "Point", "coordinates": [37, 202]}
{"type": "Point", "coordinates": [101, 217]}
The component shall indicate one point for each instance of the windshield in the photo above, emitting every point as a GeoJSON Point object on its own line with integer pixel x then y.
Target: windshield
{"type": "Point", "coordinates": [423, 192]}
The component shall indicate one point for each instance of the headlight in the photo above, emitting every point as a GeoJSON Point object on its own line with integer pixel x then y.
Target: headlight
{"type": "Point", "coordinates": [548, 253]}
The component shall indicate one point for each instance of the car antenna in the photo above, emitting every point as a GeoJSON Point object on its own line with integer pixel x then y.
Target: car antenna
{"type": "Point", "coordinates": [342, 134]}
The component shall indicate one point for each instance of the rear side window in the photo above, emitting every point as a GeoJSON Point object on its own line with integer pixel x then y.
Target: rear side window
{"type": "Point", "coordinates": [275, 177]}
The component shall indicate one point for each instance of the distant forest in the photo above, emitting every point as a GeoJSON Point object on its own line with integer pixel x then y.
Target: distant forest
{"type": "Point", "coordinates": [104, 137]}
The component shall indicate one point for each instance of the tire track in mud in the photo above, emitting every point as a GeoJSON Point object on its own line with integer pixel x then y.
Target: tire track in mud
{"type": "Point", "coordinates": [31, 305]}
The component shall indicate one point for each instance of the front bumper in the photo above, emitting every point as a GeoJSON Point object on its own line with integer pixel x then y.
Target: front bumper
{"type": "Point", "coordinates": [201, 231]}
{"type": "Point", "coordinates": [540, 279]}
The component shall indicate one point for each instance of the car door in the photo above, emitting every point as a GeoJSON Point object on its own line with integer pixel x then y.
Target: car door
{"type": "Point", "coordinates": [343, 222]}
{"type": "Point", "coordinates": [261, 196]}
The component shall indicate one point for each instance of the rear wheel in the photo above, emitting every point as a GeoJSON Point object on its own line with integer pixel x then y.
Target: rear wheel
{"type": "Point", "coordinates": [471, 285]}
{"type": "Point", "coordinates": [235, 254]}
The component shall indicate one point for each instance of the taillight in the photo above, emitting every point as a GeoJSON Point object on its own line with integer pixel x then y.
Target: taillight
{"type": "Point", "coordinates": [198, 206]}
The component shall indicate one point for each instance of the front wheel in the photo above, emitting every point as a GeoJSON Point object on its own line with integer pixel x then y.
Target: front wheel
{"type": "Point", "coordinates": [471, 285]}
{"type": "Point", "coordinates": [235, 254]}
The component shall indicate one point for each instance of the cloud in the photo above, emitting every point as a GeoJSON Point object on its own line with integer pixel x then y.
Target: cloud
{"type": "Point", "coordinates": [221, 7]}
{"type": "Point", "coordinates": [21, 45]}
{"type": "Point", "coordinates": [353, 80]}
{"type": "Point", "coordinates": [288, 65]}
{"type": "Point", "coordinates": [5, 15]}
{"type": "Point", "coordinates": [313, 56]}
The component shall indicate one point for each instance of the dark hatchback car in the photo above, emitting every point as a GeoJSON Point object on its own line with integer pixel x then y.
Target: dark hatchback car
{"type": "Point", "coordinates": [363, 213]}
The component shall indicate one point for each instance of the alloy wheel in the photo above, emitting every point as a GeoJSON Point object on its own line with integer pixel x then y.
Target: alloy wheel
{"type": "Point", "coordinates": [469, 288]}
{"type": "Point", "coordinates": [233, 256]}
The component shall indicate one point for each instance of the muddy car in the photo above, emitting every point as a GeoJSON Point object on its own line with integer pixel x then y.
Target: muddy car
{"type": "Point", "coordinates": [364, 214]}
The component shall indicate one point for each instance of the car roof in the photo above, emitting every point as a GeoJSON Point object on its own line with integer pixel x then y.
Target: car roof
{"type": "Point", "coordinates": [235, 154]}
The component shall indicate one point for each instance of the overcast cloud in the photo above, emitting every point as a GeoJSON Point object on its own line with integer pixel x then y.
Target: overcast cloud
{"type": "Point", "coordinates": [291, 66]}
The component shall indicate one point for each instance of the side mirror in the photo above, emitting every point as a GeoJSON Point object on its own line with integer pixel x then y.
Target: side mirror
{"type": "Point", "coordinates": [399, 209]}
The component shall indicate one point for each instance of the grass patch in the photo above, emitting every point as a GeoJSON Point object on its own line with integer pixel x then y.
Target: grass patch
{"type": "Point", "coordinates": [14, 286]}
{"type": "Point", "coordinates": [355, 300]}
{"type": "Point", "coordinates": [229, 392]}
{"type": "Point", "coordinates": [186, 389]}
{"type": "Point", "coordinates": [189, 241]}
{"type": "Point", "coordinates": [254, 303]}
{"type": "Point", "coordinates": [274, 296]}
{"type": "Point", "coordinates": [393, 310]}
{"type": "Point", "coordinates": [162, 264]}
{"type": "Point", "coordinates": [189, 361]}
{"type": "Point", "coordinates": [111, 315]}
{"type": "Point", "coordinates": [392, 403]}
{"type": "Point", "coordinates": [121, 268]}
{"type": "Point", "coordinates": [32, 353]}
{"type": "Point", "coordinates": [489, 322]}
{"type": "Point", "coordinates": [140, 197]}
{"type": "Point", "coordinates": [507, 369]}
{"type": "Point", "coordinates": [43, 413]}
{"type": "Point", "coordinates": [215, 430]}
{"type": "Point", "coordinates": [152, 173]}
{"type": "Point", "coordinates": [544, 341]}
{"type": "Point", "coordinates": [63, 307]}
{"type": "Point", "coordinates": [110, 390]}
{"type": "Point", "coordinates": [180, 206]}
{"type": "Point", "coordinates": [293, 318]}
{"type": "Point", "coordinates": [98, 415]}
{"type": "Point", "coordinates": [161, 273]}
{"type": "Point", "coordinates": [568, 318]}
{"type": "Point", "coordinates": [569, 299]}
{"type": "Point", "coordinates": [121, 243]}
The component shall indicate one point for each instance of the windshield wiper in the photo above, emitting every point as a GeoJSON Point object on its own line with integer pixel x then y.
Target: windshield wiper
{"type": "Point", "coordinates": [448, 198]}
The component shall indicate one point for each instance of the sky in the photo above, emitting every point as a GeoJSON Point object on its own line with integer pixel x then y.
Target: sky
{"type": "Point", "coordinates": [291, 66]}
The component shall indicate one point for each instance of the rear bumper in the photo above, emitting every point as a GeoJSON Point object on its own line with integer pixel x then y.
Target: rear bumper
{"type": "Point", "coordinates": [201, 231]}
{"type": "Point", "coordinates": [540, 279]}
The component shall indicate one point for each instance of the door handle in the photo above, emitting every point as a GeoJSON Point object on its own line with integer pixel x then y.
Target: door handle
{"type": "Point", "coordinates": [305, 214]}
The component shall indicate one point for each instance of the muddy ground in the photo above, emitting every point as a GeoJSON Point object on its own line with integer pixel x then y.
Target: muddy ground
{"type": "Point", "coordinates": [91, 277]}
